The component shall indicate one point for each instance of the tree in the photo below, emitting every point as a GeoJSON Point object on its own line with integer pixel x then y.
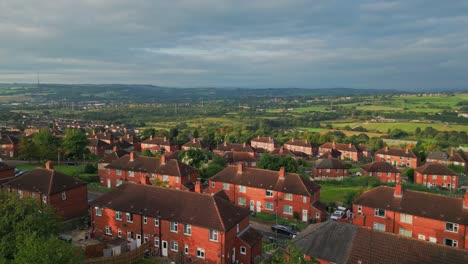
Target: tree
{"type": "Point", "coordinates": [147, 153]}
{"type": "Point", "coordinates": [46, 144]}
{"type": "Point", "coordinates": [26, 226]}
{"type": "Point", "coordinates": [194, 157]}
{"type": "Point", "coordinates": [147, 132]}
{"type": "Point", "coordinates": [74, 143]}
{"type": "Point", "coordinates": [269, 162]}
{"type": "Point", "coordinates": [41, 250]}
{"type": "Point", "coordinates": [26, 149]}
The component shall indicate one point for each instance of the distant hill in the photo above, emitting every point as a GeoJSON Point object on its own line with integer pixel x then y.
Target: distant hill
{"type": "Point", "coordinates": [151, 93]}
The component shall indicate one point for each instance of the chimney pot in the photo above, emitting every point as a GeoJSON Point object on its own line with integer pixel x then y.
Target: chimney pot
{"type": "Point", "coordinates": [49, 165]}
{"type": "Point", "coordinates": [281, 173]}
{"type": "Point", "coordinates": [132, 156]}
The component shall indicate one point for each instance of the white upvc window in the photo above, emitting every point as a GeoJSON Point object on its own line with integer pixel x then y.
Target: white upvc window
{"type": "Point", "coordinates": [200, 253]}
{"type": "Point", "coordinates": [359, 209]}
{"type": "Point", "coordinates": [379, 212]}
{"type": "Point", "coordinates": [226, 186]}
{"type": "Point", "coordinates": [187, 230]}
{"type": "Point", "coordinates": [145, 220]}
{"type": "Point", "coordinates": [288, 209]}
{"type": "Point", "coordinates": [288, 196]}
{"type": "Point", "coordinates": [44, 199]}
{"type": "Point", "coordinates": [269, 206]}
{"type": "Point", "coordinates": [379, 226]}
{"type": "Point", "coordinates": [156, 241]}
{"type": "Point", "coordinates": [20, 193]}
{"type": "Point", "coordinates": [98, 211]}
{"type": "Point", "coordinates": [165, 178]}
{"type": "Point", "coordinates": [156, 222]}
{"type": "Point", "coordinates": [213, 235]}
{"type": "Point", "coordinates": [174, 227]}
{"type": "Point", "coordinates": [129, 217]}
{"type": "Point", "coordinates": [118, 215]}
{"type": "Point", "coordinates": [213, 184]}
{"type": "Point", "coordinates": [242, 189]}
{"type": "Point", "coordinates": [406, 218]}
{"type": "Point", "coordinates": [241, 201]}
{"type": "Point", "coordinates": [421, 237]}
{"type": "Point", "coordinates": [118, 172]}
{"type": "Point", "coordinates": [450, 242]}
{"type": "Point", "coordinates": [129, 234]}
{"type": "Point", "coordinates": [108, 230]}
{"type": "Point", "coordinates": [451, 227]}
{"type": "Point", "coordinates": [304, 199]}
{"type": "Point", "coordinates": [243, 250]}
{"type": "Point", "coordinates": [186, 249]}
{"type": "Point", "coordinates": [174, 246]}
{"type": "Point", "coordinates": [131, 174]}
{"type": "Point", "coordinates": [64, 196]}
{"type": "Point", "coordinates": [269, 193]}
{"type": "Point", "coordinates": [405, 232]}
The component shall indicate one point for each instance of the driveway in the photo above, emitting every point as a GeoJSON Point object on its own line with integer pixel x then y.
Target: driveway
{"type": "Point", "coordinates": [266, 230]}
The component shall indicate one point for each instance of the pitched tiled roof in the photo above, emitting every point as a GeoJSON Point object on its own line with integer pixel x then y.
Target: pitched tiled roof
{"type": "Point", "coordinates": [250, 236]}
{"type": "Point", "coordinates": [174, 167]}
{"type": "Point", "coordinates": [286, 152]}
{"type": "Point", "coordinates": [113, 156]}
{"type": "Point", "coordinates": [119, 145]}
{"type": "Point", "coordinates": [340, 147]}
{"type": "Point", "coordinates": [456, 157]}
{"type": "Point", "coordinates": [196, 143]}
{"type": "Point", "coordinates": [267, 179]}
{"type": "Point", "coordinates": [299, 142]}
{"type": "Point", "coordinates": [7, 140]}
{"type": "Point", "coordinates": [438, 155]}
{"type": "Point", "coordinates": [235, 147]}
{"type": "Point", "coordinates": [396, 152]}
{"type": "Point", "coordinates": [421, 204]}
{"type": "Point", "coordinates": [158, 141]}
{"type": "Point", "coordinates": [139, 163]}
{"type": "Point", "coordinates": [330, 164]}
{"type": "Point", "coordinates": [93, 142]}
{"type": "Point", "coordinates": [172, 155]}
{"type": "Point", "coordinates": [375, 247]}
{"type": "Point", "coordinates": [44, 181]}
{"type": "Point", "coordinates": [380, 166]}
{"type": "Point", "coordinates": [435, 169]}
{"type": "Point", "coordinates": [334, 154]}
{"type": "Point", "coordinates": [203, 210]}
{"type": "Point", "coordinates": [4, 166]}
{"type": "Point", "coordinates": [345, 243]}
{"type": "Point", "coordinates": [330, 240]}
{"type": "Point", "coordinates": [232, 157]}
{"type": "Point", "coordinates": [263, 139]}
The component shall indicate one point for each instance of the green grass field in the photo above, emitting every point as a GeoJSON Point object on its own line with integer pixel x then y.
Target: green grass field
{"type": "Point", "coordinates": [405, 126]}
{"type": "Point", "coordinates": [65, 169]}
{"type": "Point", "coordinates": [333, 193]}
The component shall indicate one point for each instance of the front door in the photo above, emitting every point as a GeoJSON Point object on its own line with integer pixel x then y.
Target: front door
{"type": "Point", "coordinates": [252, 205]}
{"type": "Point", "coordinates": [164, 248]}
{"type": "Point", "coordinates": [259, 206]}
{"type": "Point", "coordinates": [109, 183]}
{"type": "Point", "coordinates": [138, 239]}
{"type": "Point", "coordinates": [304, 216]}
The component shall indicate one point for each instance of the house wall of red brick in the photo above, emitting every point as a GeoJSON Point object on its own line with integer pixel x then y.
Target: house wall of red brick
{"type": "Point", "coordinates": [331, 173]}
{"type": "Point", "coordinates": [8, 151]}
{"type": "Point", "coordinates": [263, 145]}
{"type": "Point", "coordinates": [420, 226]}
{"type": "Point", "coordinates": [398, 161]}
{"type": "Point", "coordinates": [152, 147]}
{"type": "Point", "coordinates": [306, 150]}
{"type": "Point", "coordinates": [256, 200]}
{"type": "Point", "coordinates": [199, 237]}
{"type": "Point", "coordinates": [450, 182]}
{"type": "Point", "coordinates": [384, 176]}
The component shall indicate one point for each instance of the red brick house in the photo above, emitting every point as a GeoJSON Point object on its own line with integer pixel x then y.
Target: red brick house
{"type": "Point", "coordinates": [196, 143]}
{"type": "Point", "coordinates": [282, 152]}
{"type": "Point", "coordinates": [382, 170]}
{"type": "Point", "coordinates": [120, 144]}
{"type": "Point", "coordinates": [108, 158]}
{"type": "Point", "coordinates": [337, 242]}
{"type": "Point", "coordinates": [233, 158]}
{"type": "Point", "coordinates": [266, 143]}
{"type": "Point", "coordinates": [97, 146]}
{"type": "Point", "coordinates": [270, 191]}
{"type": "Point", "coordinates": [299, 145]}
{"type": "Point", "coordinates": [234, 147]}
{"type": "Point", "coordinates": [348, 151]}
{"type": "Point", "coordinates": [425, 216]}
{"type": "Point", "coordinates": [398, 157]}
{"type": "Point", "coordinates": [8, 146]}
{"type": "Point", "coordinates": [69, 196]}
{"type": "Point", "coordinates": [155, 144]}
{"type": "Point", "coordinates": [447, 158]}
{"type": "Point", "coordinates": [133, 140]}
{"type": "Point", "coordinates": [330, 168]}
{"type": "Point", "coordinates": [6, 171]}
{"type": "Point", "coordinates": [148, 170]}
{"type": "Point", "coordinates": [434, 174]}
{"type": "Point", "coordinates": [105, 136]}
{"type": "Point", "coordinates": [201, 228]}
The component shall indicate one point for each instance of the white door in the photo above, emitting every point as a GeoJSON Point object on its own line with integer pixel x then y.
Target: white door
{"type": "Point", "coordinates": [138, 239]}
{"type": "Point", "coordinates": [252, 205]}
{"type": "Point", "coordinates": [304, 216]}
{"type": "Point", "coordinates": [109, 183]}
{"type": "Point", "coordinates": [259, 206]}
{"type": "Point", "coordinates": [164, 248]}
{"type": "Point", "coordinates": [11, 154]}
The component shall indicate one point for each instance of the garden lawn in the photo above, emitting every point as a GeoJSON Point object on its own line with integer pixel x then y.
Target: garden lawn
{"type": "Point", "coordinates": [333, 193]}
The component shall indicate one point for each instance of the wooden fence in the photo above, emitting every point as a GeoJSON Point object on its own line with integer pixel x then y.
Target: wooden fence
{"type": "Point", "coordinates": [127, 257]}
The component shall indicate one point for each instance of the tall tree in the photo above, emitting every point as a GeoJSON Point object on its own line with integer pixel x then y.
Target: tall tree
{"type": "Point", "coordinates": [26, 149]}
{"type": "Point", "coordinates": [74, 143]}
{"type": "Point", "coordinates": [46, 144]}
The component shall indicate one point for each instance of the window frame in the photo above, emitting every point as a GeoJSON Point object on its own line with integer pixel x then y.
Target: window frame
{"type": "Point", "coordinates": [174, 246]}
{"type": "Point", "coordinates": [214, 235]}
{"type": "Point", "coordinates": [98, 210]}
{"type": "Point", "coordinates": [201, 253]}
{"type": "Point", "coordinates": [244, 249]}
{"type": "Point", "coordinates": [174, 227]}
{"type": "Point", "coordinates": [118, 215]}
{"type": "Point", "coordinates": [377, 212]}
{"type": "Point", "coordinates": [108, 230]}
{"type": "Point", "coordinates": [64, 196]}
{"type": "Point", "coordinates": [187, 230]}
{"type": "Point", "coordinates": [454, 228]}
{"type": "Point", "coordinates": [269, 193]}
{"type": "Point", "coordinates": [129, 217]}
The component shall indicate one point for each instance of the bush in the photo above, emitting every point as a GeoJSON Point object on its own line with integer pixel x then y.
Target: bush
{"type": "Point", "coordinates": [296, 215]}
{"type": "Point", "coordinates": [90, 168]}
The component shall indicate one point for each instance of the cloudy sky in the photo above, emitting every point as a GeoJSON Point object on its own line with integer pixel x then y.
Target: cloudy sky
{"type": "Point", "coordinates": [407, 44]}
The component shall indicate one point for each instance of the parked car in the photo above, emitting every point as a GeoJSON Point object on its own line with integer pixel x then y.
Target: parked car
{"type": "Point", "coordinates": [284, 230]}
{"type": "Point", "coordinates": [19, 173]}
{"type": "Point", "coordinates": [341, 212]}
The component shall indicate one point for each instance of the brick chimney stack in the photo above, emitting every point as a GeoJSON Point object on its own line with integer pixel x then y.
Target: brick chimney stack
{"type": "Point", "coordinates": [243, 145]}
{"type": "Point", "coordinates": [225, 143]}
{"type": "Point", "coordinates": [114, 148]}
{"type": "Point", "coordinates": [198, 186]}
{"type": "Point", "coordinates": [151, 137]}
{"type": "Point", "coordinates": [281, 150]}
{"type": "Point", "coordinates": [163, 160]}
{"type": "Point", "coordinates": [240, 168]}
{"type": "Point", "coordinates": [386, 148]}
{"type": "Point", "coordinates": [398, 190]}
{"type": "Point", "coordinates": [407, 150]}
{"type": "Point", "coordinates": [465, 201]}
{"type": "Point", "coordinates": [194, 140]}
{"type": "Point", "coordinates": [49, 165]}
{"type": "Point", "coordinates": [281, 173]}
{"type": "Point", "coordinates": [132, 156]}
{"type": "Point", "coordinates": [165, 139]}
